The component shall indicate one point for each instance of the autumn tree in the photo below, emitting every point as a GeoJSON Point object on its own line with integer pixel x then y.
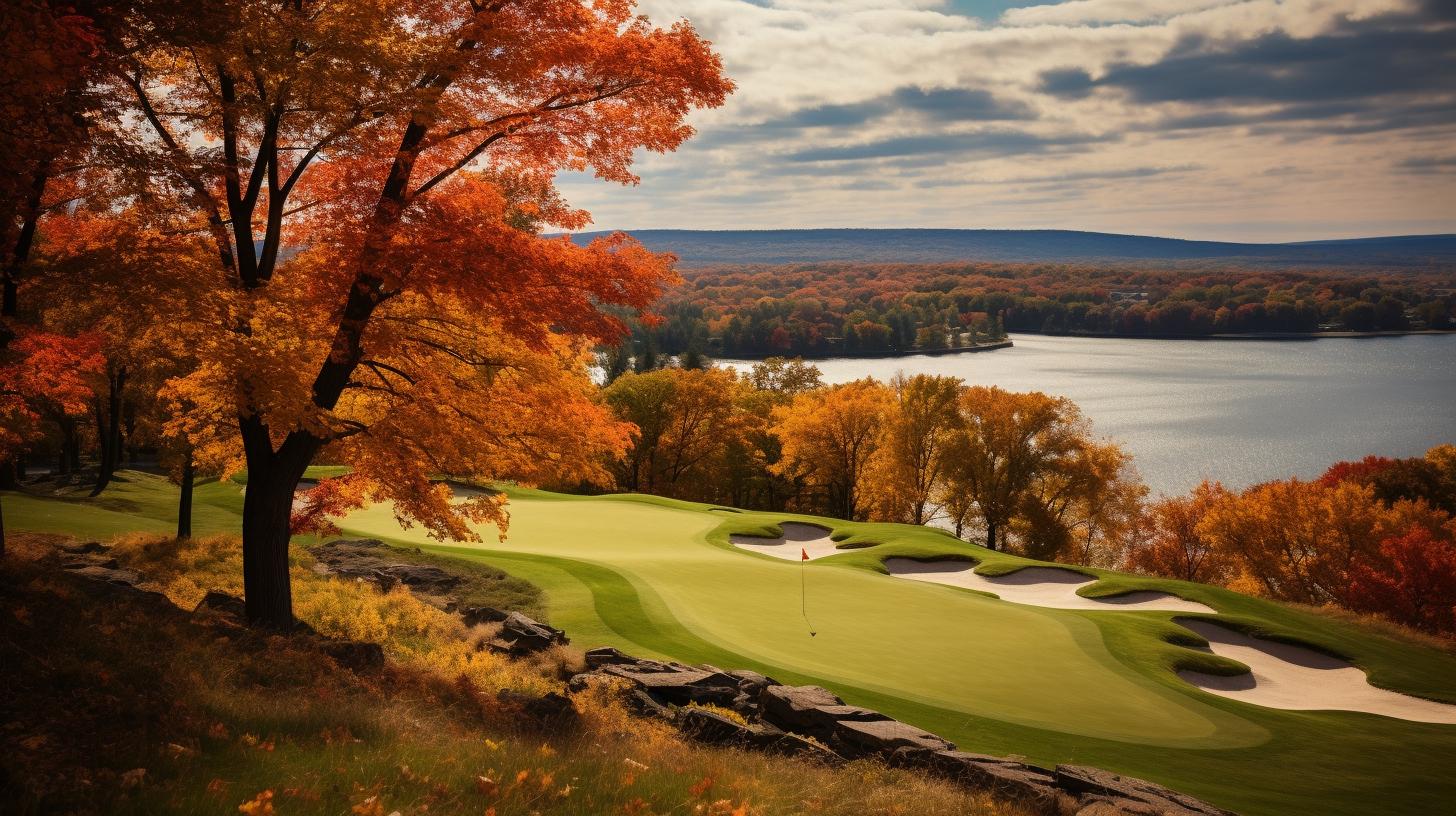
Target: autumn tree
{"type": "Point", "coordinates": [1004, 442]}
{"type": "Point", "coordinates": [830, 439]}
{"type": "Point", "coordinates": [1084, 510]}
{"type": "Point", "coordinates": [1298, 541]}
{"type": "Point", "coordinates": [1412, 581]}
{"type": "Point", "coordinates": [685, 420]}
{"type": "Point", "coordinates": [43, 375]}
{"type": "Point", "coordinates": [917, 438]}
{"type": "Point", "coordinates": [1170, 542]}
{"type": "Point", "coordinates": [784, 377]}
{"type": "Point", "coordinates": [406, 150]}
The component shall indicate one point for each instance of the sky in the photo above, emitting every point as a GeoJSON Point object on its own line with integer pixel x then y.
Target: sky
{"type": "Point", "coordinates": [1244, 120]}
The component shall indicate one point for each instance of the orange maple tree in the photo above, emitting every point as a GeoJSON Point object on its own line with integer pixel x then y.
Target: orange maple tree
{"type": "Point", "coordinates": [373, 180]}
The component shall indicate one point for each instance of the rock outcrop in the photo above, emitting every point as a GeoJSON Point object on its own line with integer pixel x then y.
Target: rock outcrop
{"type": "Point", "coordinates": [813, 721]}
{"type": "Point", "coordinates": [520, 635]}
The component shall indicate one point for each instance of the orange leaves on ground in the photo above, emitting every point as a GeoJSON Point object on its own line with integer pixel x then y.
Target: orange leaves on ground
{"type": "Point", "coordinates": [260, 805]}
{"type": "Point", "coordinates": [372, 806]}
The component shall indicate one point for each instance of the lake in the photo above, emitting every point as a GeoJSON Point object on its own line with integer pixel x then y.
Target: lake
{"type": "Point", "coordinates": [1240, 411]}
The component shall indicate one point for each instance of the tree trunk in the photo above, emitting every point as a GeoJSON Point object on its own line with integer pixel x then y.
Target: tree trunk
{"type": "Point", "coordinates": [184, 503]}
{"type": "Point", "coordinates": [2, 528]}
{"type": "Point", "coordinates": [267, 508]}
{"type": "Point", "coordinates": [108, 430]}
{"type": "Point", "coordinates": [23, 242]}
{"type": "Point", "coordinates": [990, 534]}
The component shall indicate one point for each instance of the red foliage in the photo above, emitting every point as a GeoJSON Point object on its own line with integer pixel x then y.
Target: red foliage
{"type": "Point", "coordinates": [1362, 472]}
{"type": "Point", "coordinates": [1415, 585]}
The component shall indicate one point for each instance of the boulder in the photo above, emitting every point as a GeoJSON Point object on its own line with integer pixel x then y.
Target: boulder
{"type": "Point", "coordinates": [1101, 784]}
{"type": "Point", "coordinates": [108, 575]}
{"type": "Point", "coordinates": [1103, 806]}
{"type": "Point", "coordinates": [796, 708]}
{"type": "Point", "coordinates": [550, 710]}
{"type": "Point", "coordinates": [678, 685]}
{"type": "Point", "coordinates": [884, 736]}
{"type": "Point", "coordinates": [751, 682]}
{"type": "Point", "coordinates": [348, 546]}
{"type": "Point", "coordinates": [75, 562]}
{"type": "Point", "coordinates": [85, 548]}
{"type": "Point", "coordinates": [355, 654]}
{"type": "Point", "coordinates": [473, 615]}
{"type": "Point", "coordinates": [711, 727]}
{"type": "Point", "coordinates": [1015, 780]}
{"type": "Point", "coordinates": [520, 635]}
{"type": "Point", "coordinates": [606, 656]}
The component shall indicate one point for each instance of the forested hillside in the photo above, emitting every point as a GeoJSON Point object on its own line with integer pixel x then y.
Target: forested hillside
{"type": "Point", "coordinates": [827, 308]}
{"type": "Point", "coordinates": [704, 247]}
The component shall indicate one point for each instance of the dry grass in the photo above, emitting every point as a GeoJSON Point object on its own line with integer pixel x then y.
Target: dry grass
{"type": "Point", "coordinates": [1381, 625]}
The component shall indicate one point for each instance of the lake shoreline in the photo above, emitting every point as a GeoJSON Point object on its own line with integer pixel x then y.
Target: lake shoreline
{"type": "Point", "coordinates": [880, 355]}
{"type": "Point", "coordinates": [1266, 336]}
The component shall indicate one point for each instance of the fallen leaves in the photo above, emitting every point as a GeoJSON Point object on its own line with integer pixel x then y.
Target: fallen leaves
{"type": "Point", "coordinates": [260, 805]}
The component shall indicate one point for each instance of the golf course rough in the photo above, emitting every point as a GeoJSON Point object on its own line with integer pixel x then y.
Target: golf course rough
{"type": "Point", "coordinates": [660, 578]}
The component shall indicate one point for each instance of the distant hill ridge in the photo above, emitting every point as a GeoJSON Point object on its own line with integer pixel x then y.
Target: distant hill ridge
{"type": "Point", "coordinates": [705, 247]}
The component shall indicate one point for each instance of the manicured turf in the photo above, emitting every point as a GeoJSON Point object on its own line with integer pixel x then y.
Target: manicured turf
{"type": "Point", "coordinates": [658, 577]}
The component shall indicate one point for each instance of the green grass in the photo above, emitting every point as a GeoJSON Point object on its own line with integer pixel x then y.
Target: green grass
{"type": "Point", "coordinates": [658, 577]}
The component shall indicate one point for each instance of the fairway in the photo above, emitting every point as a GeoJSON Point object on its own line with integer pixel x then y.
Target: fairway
{"type": "Point", "coordinates": [1097, 686]}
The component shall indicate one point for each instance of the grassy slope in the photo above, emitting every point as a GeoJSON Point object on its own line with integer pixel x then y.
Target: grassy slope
{"type": "Point", "coordinates": [654, 575]}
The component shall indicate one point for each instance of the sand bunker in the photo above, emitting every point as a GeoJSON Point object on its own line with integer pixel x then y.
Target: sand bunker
{"type": "Point", "coordinates": [807, 537]}
{"type": "Point", "coordinates": [1035, 586]}
{"type": "Point", "coordinates": [1302, 679]}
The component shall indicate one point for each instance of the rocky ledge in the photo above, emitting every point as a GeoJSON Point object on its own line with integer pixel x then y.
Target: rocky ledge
{"type": "Point", "coordinates": [747, 709]}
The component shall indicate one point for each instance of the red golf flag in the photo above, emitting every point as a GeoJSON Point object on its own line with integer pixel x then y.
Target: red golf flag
{"type": "Point", "coordinates": [803, 554]}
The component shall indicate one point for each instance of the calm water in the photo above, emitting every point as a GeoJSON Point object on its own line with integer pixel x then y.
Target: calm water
{"type": "Point", "coordinates": [1238, 411]}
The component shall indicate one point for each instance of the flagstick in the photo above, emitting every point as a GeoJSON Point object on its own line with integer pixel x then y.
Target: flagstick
{"type": "Point", "coordinates": [804, 593]}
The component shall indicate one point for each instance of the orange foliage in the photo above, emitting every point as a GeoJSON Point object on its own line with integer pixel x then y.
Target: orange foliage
{"type": "Point", "coordinates": [1172, 544]}
{"type": "Point", "coordinates": [830, 438]}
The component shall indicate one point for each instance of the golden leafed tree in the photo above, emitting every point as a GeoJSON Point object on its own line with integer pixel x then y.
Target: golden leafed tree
{"type": "Point", "coordinates": [1005, 443]}
{"type": "Point", "coordinates": [917, 438]}
{"type": "Point", "coordinates": [830, 439]}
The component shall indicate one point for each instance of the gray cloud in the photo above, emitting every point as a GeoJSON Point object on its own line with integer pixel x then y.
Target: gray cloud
{"type": "Point", "coordinates": [984, 142]}
{"type": "Point", "coordinates": [1363, 76]}
{"type": "Point", "coordinates": [936, 105]}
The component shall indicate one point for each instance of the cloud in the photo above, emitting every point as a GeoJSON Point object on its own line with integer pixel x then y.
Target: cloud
{"type": "Point", "coordinates": [1427, 164]}
{"type": "Point", "coordinates": [984, 142]}
{"type": "Point", "coordinates": [1384, 72]}
{"type": "Point", "coordinates": [1084, 12]}
{"type": "Point", "coordinates": [1159, 115]}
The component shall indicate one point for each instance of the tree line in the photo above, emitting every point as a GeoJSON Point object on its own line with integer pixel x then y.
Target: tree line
{"type": "Point", "coordinates": [1018, 470]}
{"type": "Point", "coordinates": [1376, 535]}
{"type": "Point", "coordinates": [844, 308]}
